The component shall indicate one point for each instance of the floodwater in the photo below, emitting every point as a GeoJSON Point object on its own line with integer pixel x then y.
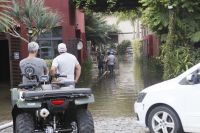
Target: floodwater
{"type": "Point", "coordinates": [114, 95]}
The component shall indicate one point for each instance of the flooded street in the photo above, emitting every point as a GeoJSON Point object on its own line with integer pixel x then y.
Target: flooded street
{"type": "Point", "coordinates": [115, 95]}
{"type": "Point", "coordinates": [113, 110]}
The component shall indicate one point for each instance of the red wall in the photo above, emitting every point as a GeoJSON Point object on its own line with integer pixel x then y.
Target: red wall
{"type": "Point", "coordinates": [62, 7]}
{"type": "Point", "coordinates": [151, 45]}
{"type": "Point", "coordinates": [24, 51]}
{"type": "Point", "coordinates": [80, 22]}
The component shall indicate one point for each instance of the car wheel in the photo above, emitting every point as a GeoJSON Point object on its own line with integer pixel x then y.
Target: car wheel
{"type": "Point", "coordinates": [163, 119]}
{"type": "Point", "coordinates": [24, 123]}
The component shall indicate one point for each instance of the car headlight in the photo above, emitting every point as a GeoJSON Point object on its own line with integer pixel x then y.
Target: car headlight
{"type": "Point", "coordinates": [141, 97]}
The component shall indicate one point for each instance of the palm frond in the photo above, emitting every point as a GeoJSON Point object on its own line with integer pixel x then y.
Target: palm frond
{"type": "Point", "coordinates": [196, 36]}
{"type": "Point", "coordinates": [35, 15]}
{"type": "Point", "coordinates": [6, 20]}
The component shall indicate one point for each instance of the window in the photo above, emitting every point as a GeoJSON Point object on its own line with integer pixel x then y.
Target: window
{"type": "Point", "coordinates": [48, 42]}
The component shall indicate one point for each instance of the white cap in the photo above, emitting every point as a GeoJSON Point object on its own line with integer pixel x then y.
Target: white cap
{"type": "Point", "coordinates": [62, 48]}
{"type": "Point", "coordinates": [33, 46]}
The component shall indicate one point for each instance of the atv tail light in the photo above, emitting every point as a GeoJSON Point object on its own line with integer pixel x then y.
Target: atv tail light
{"type": "Point", "coordinates": [57, 101]}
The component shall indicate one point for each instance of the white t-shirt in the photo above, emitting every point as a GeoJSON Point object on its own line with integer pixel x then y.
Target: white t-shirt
{"type": "Point", "coordinates": [65, 64]}
{"type": "Point", "coordinates": [111, 59]}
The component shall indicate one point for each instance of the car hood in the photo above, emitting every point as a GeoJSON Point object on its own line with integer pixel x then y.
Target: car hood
{"type": "Point", "coordinates": [162, 86]}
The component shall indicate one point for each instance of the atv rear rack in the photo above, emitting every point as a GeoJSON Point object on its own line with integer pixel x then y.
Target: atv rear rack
{"type": "Point", "coordinates": [67, 93]}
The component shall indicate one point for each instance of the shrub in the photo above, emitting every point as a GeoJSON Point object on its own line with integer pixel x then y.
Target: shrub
{"type": "Point", "coordinates": [137, 47]}
{"type": "Point", "coordinates": [177, 59]}
{"type": "Point", "coordinates": [86, 66]}
{"type": "Point", "coordinates": [121, 48]}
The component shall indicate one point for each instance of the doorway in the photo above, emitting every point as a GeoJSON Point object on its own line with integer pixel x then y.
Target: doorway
{"type": "Point", "coordinates": [5, 65]}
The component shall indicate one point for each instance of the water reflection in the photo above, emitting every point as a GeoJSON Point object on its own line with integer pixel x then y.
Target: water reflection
{"type": "Point", "coordinates": [116, 95]}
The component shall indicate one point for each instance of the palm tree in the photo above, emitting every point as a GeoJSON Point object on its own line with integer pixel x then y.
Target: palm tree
{"type": "Point", "coordinates": [97, 29]}
{"type": "Point", "coordinates": [35, 16]}
{"type": "Point", "coordinates": [6, 21]}
{"type": "Point", "coordinates": [127, 15]}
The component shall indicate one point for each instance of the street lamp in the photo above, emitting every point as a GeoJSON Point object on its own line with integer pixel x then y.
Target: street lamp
{"type": "Point", "coordinates": [79, 45]}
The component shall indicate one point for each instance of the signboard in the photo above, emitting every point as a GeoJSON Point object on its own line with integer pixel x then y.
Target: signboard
{"type": "Point", "coordinates": [16, 55]}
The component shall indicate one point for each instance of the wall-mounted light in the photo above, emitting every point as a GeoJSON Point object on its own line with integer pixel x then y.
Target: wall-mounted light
{"type": "Point", "coordinates": [79, 45]}
{"type": "Point", "coordinates": [30, 31]}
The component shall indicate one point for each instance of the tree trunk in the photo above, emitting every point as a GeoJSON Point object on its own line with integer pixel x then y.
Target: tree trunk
{"type": "Point", "coordinates": [171, 28]}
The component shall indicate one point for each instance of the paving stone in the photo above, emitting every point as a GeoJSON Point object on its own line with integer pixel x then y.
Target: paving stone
{"type": "Point", "coordinates": [111, 125]}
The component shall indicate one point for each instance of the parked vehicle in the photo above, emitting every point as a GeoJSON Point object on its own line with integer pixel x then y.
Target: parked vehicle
{"type": "Point", "coordinates": [51, 108]}
{"type": "Point", "coordinates": [171, 106]}
{"type": "Point", "coordinates": [129, 50]}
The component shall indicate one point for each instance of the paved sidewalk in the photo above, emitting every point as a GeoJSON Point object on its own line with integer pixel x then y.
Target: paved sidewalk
{"type": "Point", "coordinates": [117, 125]}
{"type": "Point", "coordinates": [111, 125]}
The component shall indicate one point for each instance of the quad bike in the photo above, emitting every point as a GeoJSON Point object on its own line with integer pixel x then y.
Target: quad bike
{"type": "Point", "coordinates": [51, 107]}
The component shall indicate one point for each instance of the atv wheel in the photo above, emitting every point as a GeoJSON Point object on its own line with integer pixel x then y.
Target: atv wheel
{"type": "Point", "coordinates": [24, 123]}
{"type": "Point", "coordinates": [84, 121]}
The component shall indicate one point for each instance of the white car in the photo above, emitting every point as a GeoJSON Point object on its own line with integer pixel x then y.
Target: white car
{"type": "Point", "coordinates": [171, 106]}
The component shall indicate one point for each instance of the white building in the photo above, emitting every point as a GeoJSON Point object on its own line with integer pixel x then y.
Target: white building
{"type": "Point", "coordinates": [125, 27]}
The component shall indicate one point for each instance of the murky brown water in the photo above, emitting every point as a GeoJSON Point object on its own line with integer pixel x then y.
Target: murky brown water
{"type": "Point", "coordinates": [114, 96]}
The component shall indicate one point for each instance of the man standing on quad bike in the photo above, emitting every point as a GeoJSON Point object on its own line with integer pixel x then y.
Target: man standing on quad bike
{"type": "Point", "coordinates": [66, 64]}
{"type": "Point", "coordinates": [47, 107]}
{"type": "Point", "coordinates": [32, 65]}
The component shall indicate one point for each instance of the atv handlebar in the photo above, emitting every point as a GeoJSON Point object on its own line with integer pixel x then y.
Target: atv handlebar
{"type": "Point", "coordinates": [31, 76]}
{"type": "Point", "coordinates": [58, 75]}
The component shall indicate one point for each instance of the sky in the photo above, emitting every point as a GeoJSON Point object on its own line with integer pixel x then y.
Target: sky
{"type": "Point", "coordinates": [124, 26]}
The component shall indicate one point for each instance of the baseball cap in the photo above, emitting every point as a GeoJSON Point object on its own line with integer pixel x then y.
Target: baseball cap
{"type": "Point", "coordinates": [62, 48]}
{"type": "Point", "coordinates": [33, 46]}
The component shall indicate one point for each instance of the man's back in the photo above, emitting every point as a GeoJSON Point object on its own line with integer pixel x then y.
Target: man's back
{"type": "Point", "coordinates": [65, 64]}
{"type": "Point", "coordinates": [111, 59]}
{"type": "Point", "coordinates": [34, 66]}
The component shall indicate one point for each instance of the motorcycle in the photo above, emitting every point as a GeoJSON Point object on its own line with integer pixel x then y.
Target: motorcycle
{"type": "Point", "coordinates": [51, 107]}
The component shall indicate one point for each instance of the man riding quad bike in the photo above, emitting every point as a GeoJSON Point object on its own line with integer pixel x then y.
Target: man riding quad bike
{"type": "Point", "coordinates": [51, 107]}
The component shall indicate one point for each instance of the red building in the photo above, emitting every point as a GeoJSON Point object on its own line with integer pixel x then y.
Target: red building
{"type": "Point", "coordinates": [70, 31]}
{"type": "Point", "coordinates": [150, 46]}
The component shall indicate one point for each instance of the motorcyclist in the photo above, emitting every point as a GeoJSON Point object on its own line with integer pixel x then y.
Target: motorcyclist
{"type": "Point", "coordinates": [32, 65]}
{"type": "Point", "coordinates": [66, 64]}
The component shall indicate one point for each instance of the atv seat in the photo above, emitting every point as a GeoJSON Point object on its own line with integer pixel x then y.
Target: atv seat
{"type": "Point", "coordinates": [28, 86]}
{"type": "Point", "coordinates": [66, 93]}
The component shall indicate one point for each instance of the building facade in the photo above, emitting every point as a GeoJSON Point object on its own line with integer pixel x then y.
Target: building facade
{"type": "Point", "coordinates": [70, 31]}
{"type": "Point", "coordinates": [150, 42]}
